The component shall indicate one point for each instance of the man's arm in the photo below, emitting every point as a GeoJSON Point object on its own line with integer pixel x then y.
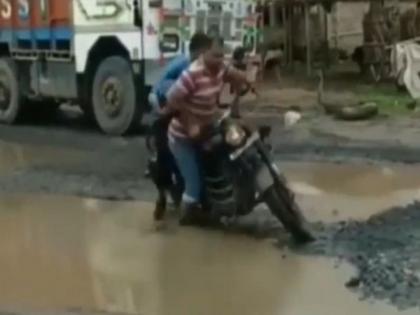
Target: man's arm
{"type": "Point", "coordinates": [177, 67]}
{"type": "Point", "coordinates": [238, 79]}
{"type": "Point", "coordinates": [178, 102]}
{"type": "Point", "coordinates": [171, 73]}
{"type": "Point", "coordinates": [178, 94]}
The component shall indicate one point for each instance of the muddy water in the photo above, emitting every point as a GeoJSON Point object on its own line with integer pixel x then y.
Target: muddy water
{"type": "Point", "coordinates": [335, 192]}
{"type": "Point", "coordinates": [66, 253]}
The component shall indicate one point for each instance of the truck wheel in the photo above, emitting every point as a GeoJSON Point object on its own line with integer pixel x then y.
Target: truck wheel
{"type": "Point", "coordinates": [10, 97]}
{"type": "Point", "coordinates": [114, 96]}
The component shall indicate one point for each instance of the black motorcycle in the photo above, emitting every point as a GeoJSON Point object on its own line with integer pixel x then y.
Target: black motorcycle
{"type": "Point", "coordinates": [239, 174]}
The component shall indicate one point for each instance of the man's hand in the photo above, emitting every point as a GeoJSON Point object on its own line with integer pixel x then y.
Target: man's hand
{"type": "Point", "coordinates": [194, 131]}
{"type": "Point", "coordinates": [191, 124]}
{"type": "Point", "coordinates": [238, 79]}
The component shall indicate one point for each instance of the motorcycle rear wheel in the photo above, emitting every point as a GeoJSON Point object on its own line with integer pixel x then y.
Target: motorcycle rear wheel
{"type": "Point", "coordinates": [281, 202]}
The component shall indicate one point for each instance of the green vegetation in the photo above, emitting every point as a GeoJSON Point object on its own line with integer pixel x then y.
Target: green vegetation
{"type": "Point", "coordinates": [388, 98]}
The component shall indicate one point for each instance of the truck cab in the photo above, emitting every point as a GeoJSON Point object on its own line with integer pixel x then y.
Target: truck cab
{"type": "Point", "coordinates": [103, 55]}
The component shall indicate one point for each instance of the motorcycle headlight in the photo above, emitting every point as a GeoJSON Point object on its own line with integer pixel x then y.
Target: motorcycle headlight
{"type": "Point", "coordinates": [235, 135]}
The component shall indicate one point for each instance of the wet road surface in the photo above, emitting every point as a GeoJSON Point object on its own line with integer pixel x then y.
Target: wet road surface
{"type": "Point", "coordinates": [61, 253]}
{"type": "Point", "coordinates": [70, 253]}
{"type": "Point", "coordinates": [352, 191]}
{"type": "Point", "coordinates": [62, 249]}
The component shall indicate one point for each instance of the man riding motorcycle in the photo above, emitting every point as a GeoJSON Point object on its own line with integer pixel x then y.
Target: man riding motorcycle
{"type": "Point", "coordinates": [193, 101]}
{"type": "Point", "coordinates": [165, 164]}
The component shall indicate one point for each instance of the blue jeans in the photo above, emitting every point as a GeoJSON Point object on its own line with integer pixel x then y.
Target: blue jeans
{"type": "Point", "coordinates": [186, 156]}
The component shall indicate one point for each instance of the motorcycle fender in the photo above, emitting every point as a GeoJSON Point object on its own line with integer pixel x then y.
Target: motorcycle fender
{"type": "Point", "coordinates": [264, 180]}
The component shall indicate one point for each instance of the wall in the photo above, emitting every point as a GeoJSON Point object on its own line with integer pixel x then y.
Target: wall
{"type": "Point", "coordinates": [345, 28]}
{"type": "Point", "coordinates": [348, 22]}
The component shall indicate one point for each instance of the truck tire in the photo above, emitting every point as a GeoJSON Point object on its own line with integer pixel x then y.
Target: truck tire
{"type": "Point", "coordinates": [114, 96]}
{"type": "Point", "coordinates": [359, 112]}
{"type": "Point", "coordinates": [10, 96]}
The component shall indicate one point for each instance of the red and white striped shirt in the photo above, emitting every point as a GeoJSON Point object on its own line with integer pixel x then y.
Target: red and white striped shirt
{"type": "Point", "coordinates": [199, 92]}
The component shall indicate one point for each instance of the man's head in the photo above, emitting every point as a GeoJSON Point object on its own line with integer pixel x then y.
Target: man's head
{"type": "Point", "coordinates": [239, 54]}
{"type": "Point", "coordinates": [199, 43]}
{"type": "Point", "coordinates": [214, 56]}
{"type": "Point", "coordinates": [211, 49]}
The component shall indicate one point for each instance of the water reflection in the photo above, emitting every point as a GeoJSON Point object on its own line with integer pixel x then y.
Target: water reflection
{"type": "Point", "coordinates": [60, 253]}
{"type": "Point", "coordinates": [335, 192]}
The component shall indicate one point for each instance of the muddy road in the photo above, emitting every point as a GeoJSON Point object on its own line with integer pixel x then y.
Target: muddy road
{"type": "Point", "coordinates": [65, 155]}
{"type": "Point", "coordinates": [77, 214]}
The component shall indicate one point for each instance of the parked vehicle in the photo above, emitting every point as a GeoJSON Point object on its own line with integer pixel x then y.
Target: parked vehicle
{"type": "Point", "coordinates": [100, 55]}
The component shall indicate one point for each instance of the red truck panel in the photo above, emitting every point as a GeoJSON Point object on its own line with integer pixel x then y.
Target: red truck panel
{"type": "Point", "coordinates": [35, 23]}
{"type": "Point", "coordinates": [5, 16]}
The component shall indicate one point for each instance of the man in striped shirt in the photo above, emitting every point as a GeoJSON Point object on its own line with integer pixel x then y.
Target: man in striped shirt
{"type": "Point", "coordinates": [195, 98]}
{"type": "Point", "coordinates": [166, 174]}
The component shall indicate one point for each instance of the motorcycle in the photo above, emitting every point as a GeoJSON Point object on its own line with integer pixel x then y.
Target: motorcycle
{"type": "Point", "coordinates": [239, 174]}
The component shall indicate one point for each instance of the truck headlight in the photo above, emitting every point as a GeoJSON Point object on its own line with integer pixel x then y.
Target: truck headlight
{"type": "Point", "coordinates": [235, 135]}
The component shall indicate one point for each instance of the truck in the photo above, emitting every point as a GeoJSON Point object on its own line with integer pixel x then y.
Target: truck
{"type": "Point", "coordinates": [103, 55]}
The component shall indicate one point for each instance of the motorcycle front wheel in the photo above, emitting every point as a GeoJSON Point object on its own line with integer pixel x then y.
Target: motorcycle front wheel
{"type": "Point", "coordinates": [281, 202]}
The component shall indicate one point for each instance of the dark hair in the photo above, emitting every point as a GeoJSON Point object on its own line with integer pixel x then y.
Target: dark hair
{"type": "Point", "coordinates": [239, 53]}
{"type": "Point", "coordinates": [201, 41]}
